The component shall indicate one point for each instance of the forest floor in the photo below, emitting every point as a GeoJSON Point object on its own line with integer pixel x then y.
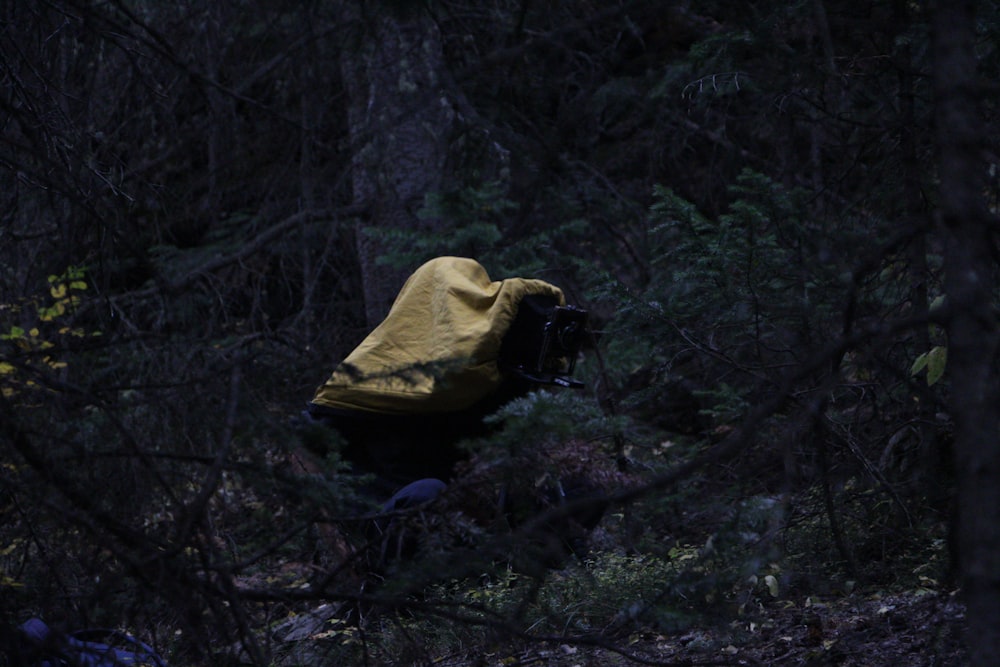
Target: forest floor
{"type": "Point", "coordinates": [905, 630]}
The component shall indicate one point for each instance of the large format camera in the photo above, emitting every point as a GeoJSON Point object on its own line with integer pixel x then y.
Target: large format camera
{"type": "Point", "coordinates": [544, 341]}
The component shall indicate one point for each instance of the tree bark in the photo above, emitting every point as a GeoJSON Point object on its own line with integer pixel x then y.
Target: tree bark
{"type": "Point", "coordinates": [401, 121]}
{"type": "Point", "coordinates": [970, 283]}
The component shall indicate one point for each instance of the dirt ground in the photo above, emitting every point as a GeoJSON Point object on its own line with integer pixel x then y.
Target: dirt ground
{"type": "Point", "coordinates": [913, 630]}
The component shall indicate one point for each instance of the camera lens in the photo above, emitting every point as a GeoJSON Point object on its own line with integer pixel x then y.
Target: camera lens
{"type": "Point", "coordinates": [569, 338]}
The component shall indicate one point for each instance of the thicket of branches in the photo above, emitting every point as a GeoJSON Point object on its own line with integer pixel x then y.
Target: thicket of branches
{"type": "Point", "coordinates": [744, 196]}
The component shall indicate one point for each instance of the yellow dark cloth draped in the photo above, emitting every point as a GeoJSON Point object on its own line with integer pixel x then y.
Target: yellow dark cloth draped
{"type": "Point", "coordinates": [437, 349]}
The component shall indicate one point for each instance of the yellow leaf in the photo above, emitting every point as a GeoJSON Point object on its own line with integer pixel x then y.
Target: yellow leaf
{"type": "Point", "coordinates": [58, 291]}
{"type": "Point", "coordinates": [10, 548]}
{"type": "Point", "coordinates": [6, 369]}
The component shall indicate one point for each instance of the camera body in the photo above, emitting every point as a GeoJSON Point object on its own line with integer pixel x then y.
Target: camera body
{"type": "Point", "coordinates": [544, 341]}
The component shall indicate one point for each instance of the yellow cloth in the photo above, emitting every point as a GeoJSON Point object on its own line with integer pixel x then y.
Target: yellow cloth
{"type": "Point", "coordinates": [437, 349]}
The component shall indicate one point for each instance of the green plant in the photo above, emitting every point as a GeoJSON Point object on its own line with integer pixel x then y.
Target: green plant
{"type": "Point", "coordinates": [607, 592]}
{"type": "Point", "coordinates": [45, 326]}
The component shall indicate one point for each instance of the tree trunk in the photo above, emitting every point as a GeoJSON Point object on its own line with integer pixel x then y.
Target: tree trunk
{"type": "Point", "coordinates": [401, 121]}
{"type": "Point", "coordinates": [970, 284]}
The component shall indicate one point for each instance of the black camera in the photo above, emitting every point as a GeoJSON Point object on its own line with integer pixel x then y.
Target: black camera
{"type": "Point", "coordinates": [544, 341]}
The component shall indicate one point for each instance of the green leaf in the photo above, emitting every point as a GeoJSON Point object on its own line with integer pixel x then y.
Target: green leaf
{"type": "Point", "coordinates": [934, 360]}
{"type": "Point", "coordinates": [772, 585]}
{"type": "Point", "coordinates": [937, 358]}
